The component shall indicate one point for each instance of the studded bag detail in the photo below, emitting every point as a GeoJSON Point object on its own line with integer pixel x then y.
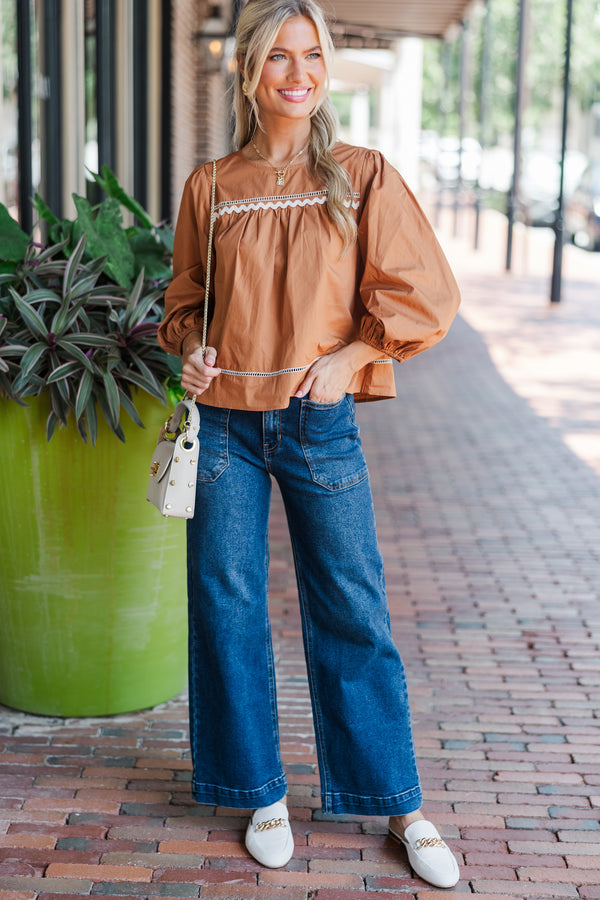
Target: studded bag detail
{"type": "Point", "coordinates": [172, 484]}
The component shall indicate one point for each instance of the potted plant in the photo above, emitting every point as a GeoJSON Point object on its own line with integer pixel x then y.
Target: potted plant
{"type": "Point", "coordinates": [92, 579]}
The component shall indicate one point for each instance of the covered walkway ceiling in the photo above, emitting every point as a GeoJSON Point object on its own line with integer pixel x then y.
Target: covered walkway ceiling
{"type": "Point", "coordinates": [377, 22]}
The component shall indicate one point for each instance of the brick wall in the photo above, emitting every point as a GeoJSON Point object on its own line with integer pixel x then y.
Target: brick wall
{"type": "Point", "coordinates": [200, 123]}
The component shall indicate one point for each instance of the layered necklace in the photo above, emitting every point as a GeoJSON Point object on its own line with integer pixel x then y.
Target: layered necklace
{"type": "Point", "coordinates": [280, 173]}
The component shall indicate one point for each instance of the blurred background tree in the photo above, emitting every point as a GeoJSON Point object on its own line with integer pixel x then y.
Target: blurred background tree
{"type": "Point", "coordinates": [544, 67]}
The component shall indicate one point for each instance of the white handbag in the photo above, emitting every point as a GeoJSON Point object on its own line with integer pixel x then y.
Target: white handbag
{"type": "Point", "coordinates": [173, 470]}
{"type": "Point", "coordinates": [172, 484]}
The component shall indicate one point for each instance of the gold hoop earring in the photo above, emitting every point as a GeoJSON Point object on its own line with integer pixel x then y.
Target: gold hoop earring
{"type": "Point", "coordinates": [245, 87]}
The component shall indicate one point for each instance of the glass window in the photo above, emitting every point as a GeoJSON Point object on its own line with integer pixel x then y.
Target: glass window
{"type": "Point", "coordinates": [9, 141]}
{"type": "Point", "coordinates": [19, 164]}
{"type": "Point", "coordinates": [91, 109]}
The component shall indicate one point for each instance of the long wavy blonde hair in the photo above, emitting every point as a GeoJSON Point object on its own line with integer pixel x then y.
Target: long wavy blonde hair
{"type": "Point", "coordinates": [258, 27]}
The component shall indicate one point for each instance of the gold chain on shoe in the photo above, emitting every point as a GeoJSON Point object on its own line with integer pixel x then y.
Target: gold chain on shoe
{"type": "Point", "coordinates": [271, 823]}
{"type": "Point", "coordinates": [429, 842]}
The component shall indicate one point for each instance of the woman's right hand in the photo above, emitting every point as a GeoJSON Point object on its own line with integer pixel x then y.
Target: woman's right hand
{"type": "Point", "coordinates": [198, 370]}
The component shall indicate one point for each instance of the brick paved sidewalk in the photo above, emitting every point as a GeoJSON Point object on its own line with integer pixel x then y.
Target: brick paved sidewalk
{"type": "Point", "coordinates": [490, 529]}
{"type": "Point", "coordinates": [548, 352]}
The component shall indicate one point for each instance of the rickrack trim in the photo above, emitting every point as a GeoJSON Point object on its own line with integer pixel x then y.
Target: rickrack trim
{"type": "Point", "coordinates": [311, 198]}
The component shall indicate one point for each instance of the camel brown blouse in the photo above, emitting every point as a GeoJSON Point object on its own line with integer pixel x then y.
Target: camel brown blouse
{"type": "Point", "coordinates": [283, 294]}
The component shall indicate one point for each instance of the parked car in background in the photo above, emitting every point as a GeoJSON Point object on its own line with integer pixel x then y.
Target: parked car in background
{"type": "Point", "coordinates": [454, 155]}
{"type": "Point", "coordinates": [496, 169]}
{"type": "Point", "coordinates": [582, 212]}
{"type": "Point", "coordinates": [539, 184]}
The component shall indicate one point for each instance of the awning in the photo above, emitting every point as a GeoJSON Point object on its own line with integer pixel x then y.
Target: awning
{"type": "Point", "coordinates": [377, 22]}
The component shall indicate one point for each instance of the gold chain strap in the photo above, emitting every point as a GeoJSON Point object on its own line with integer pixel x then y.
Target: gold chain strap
{"type": "Point", "coordinates": [209, 254]}
{"type": "Point", "coordinates": [211, 225]}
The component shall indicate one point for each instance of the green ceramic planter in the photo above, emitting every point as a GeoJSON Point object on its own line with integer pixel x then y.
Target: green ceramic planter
{"type": "Point", "coordinates": [92, 578]}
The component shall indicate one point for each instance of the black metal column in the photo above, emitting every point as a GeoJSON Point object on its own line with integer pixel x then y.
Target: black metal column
{"type": "Point", "coordinates": [483, 111]}
{"type": "Point", "coordinates": [106, 82]}
{"type": "Point", "coordinates": [140, 101]}
{"type": "Point", "coordinates": [519, 85]}
{"type": "Point", "coordinates": [236, 9]}
{"type": "Point", "coordinates": [52, 108]}
{"type": "Point", "coordinates": [463, 80]}
{"type": "Point", "coordinates": [559, 223]}
{"type": "Point", "coordinates": [24, 107]}
{"type": "Point", "coordinates": [166, 111]}
{"type": "Point", "coordinates": [443, 114]}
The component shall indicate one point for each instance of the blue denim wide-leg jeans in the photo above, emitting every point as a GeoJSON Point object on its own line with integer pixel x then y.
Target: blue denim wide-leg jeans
{"type": "Point", "coordinates": [357, 684]}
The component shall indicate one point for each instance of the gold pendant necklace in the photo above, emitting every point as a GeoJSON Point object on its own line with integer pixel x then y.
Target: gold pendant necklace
{"type": "Point", "coordinates": [280, 173]}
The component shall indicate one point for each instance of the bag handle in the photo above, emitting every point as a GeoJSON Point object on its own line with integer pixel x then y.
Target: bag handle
{"type": "Point", "coordinates": [186, 407]}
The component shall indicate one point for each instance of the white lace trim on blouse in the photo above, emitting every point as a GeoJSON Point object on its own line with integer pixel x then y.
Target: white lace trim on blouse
{"type": "Point", "coordinates": [311, 198]}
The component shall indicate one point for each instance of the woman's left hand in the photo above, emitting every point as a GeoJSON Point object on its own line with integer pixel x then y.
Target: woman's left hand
{"type": "Point", "coordinates": [328, 378]}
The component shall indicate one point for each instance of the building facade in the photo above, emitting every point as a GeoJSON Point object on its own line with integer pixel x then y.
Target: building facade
{"type": "Point", "coordinates": [137, 85]}
{"type": "Point", "coordinates": [141, 86]}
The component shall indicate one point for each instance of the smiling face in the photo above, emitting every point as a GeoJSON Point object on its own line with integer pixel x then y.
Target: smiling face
{"type": "Point", "coordinates": [293, 76]}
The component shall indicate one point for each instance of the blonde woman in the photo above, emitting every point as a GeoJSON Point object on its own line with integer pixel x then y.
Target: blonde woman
{"type": "Point", "coordinates": [325, 270]}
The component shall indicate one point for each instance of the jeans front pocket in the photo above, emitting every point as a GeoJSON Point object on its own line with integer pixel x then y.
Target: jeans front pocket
{"type": "Point", "coordinates": [213, 437]}
{"type": "Point", "coordinates": [331, 443]}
